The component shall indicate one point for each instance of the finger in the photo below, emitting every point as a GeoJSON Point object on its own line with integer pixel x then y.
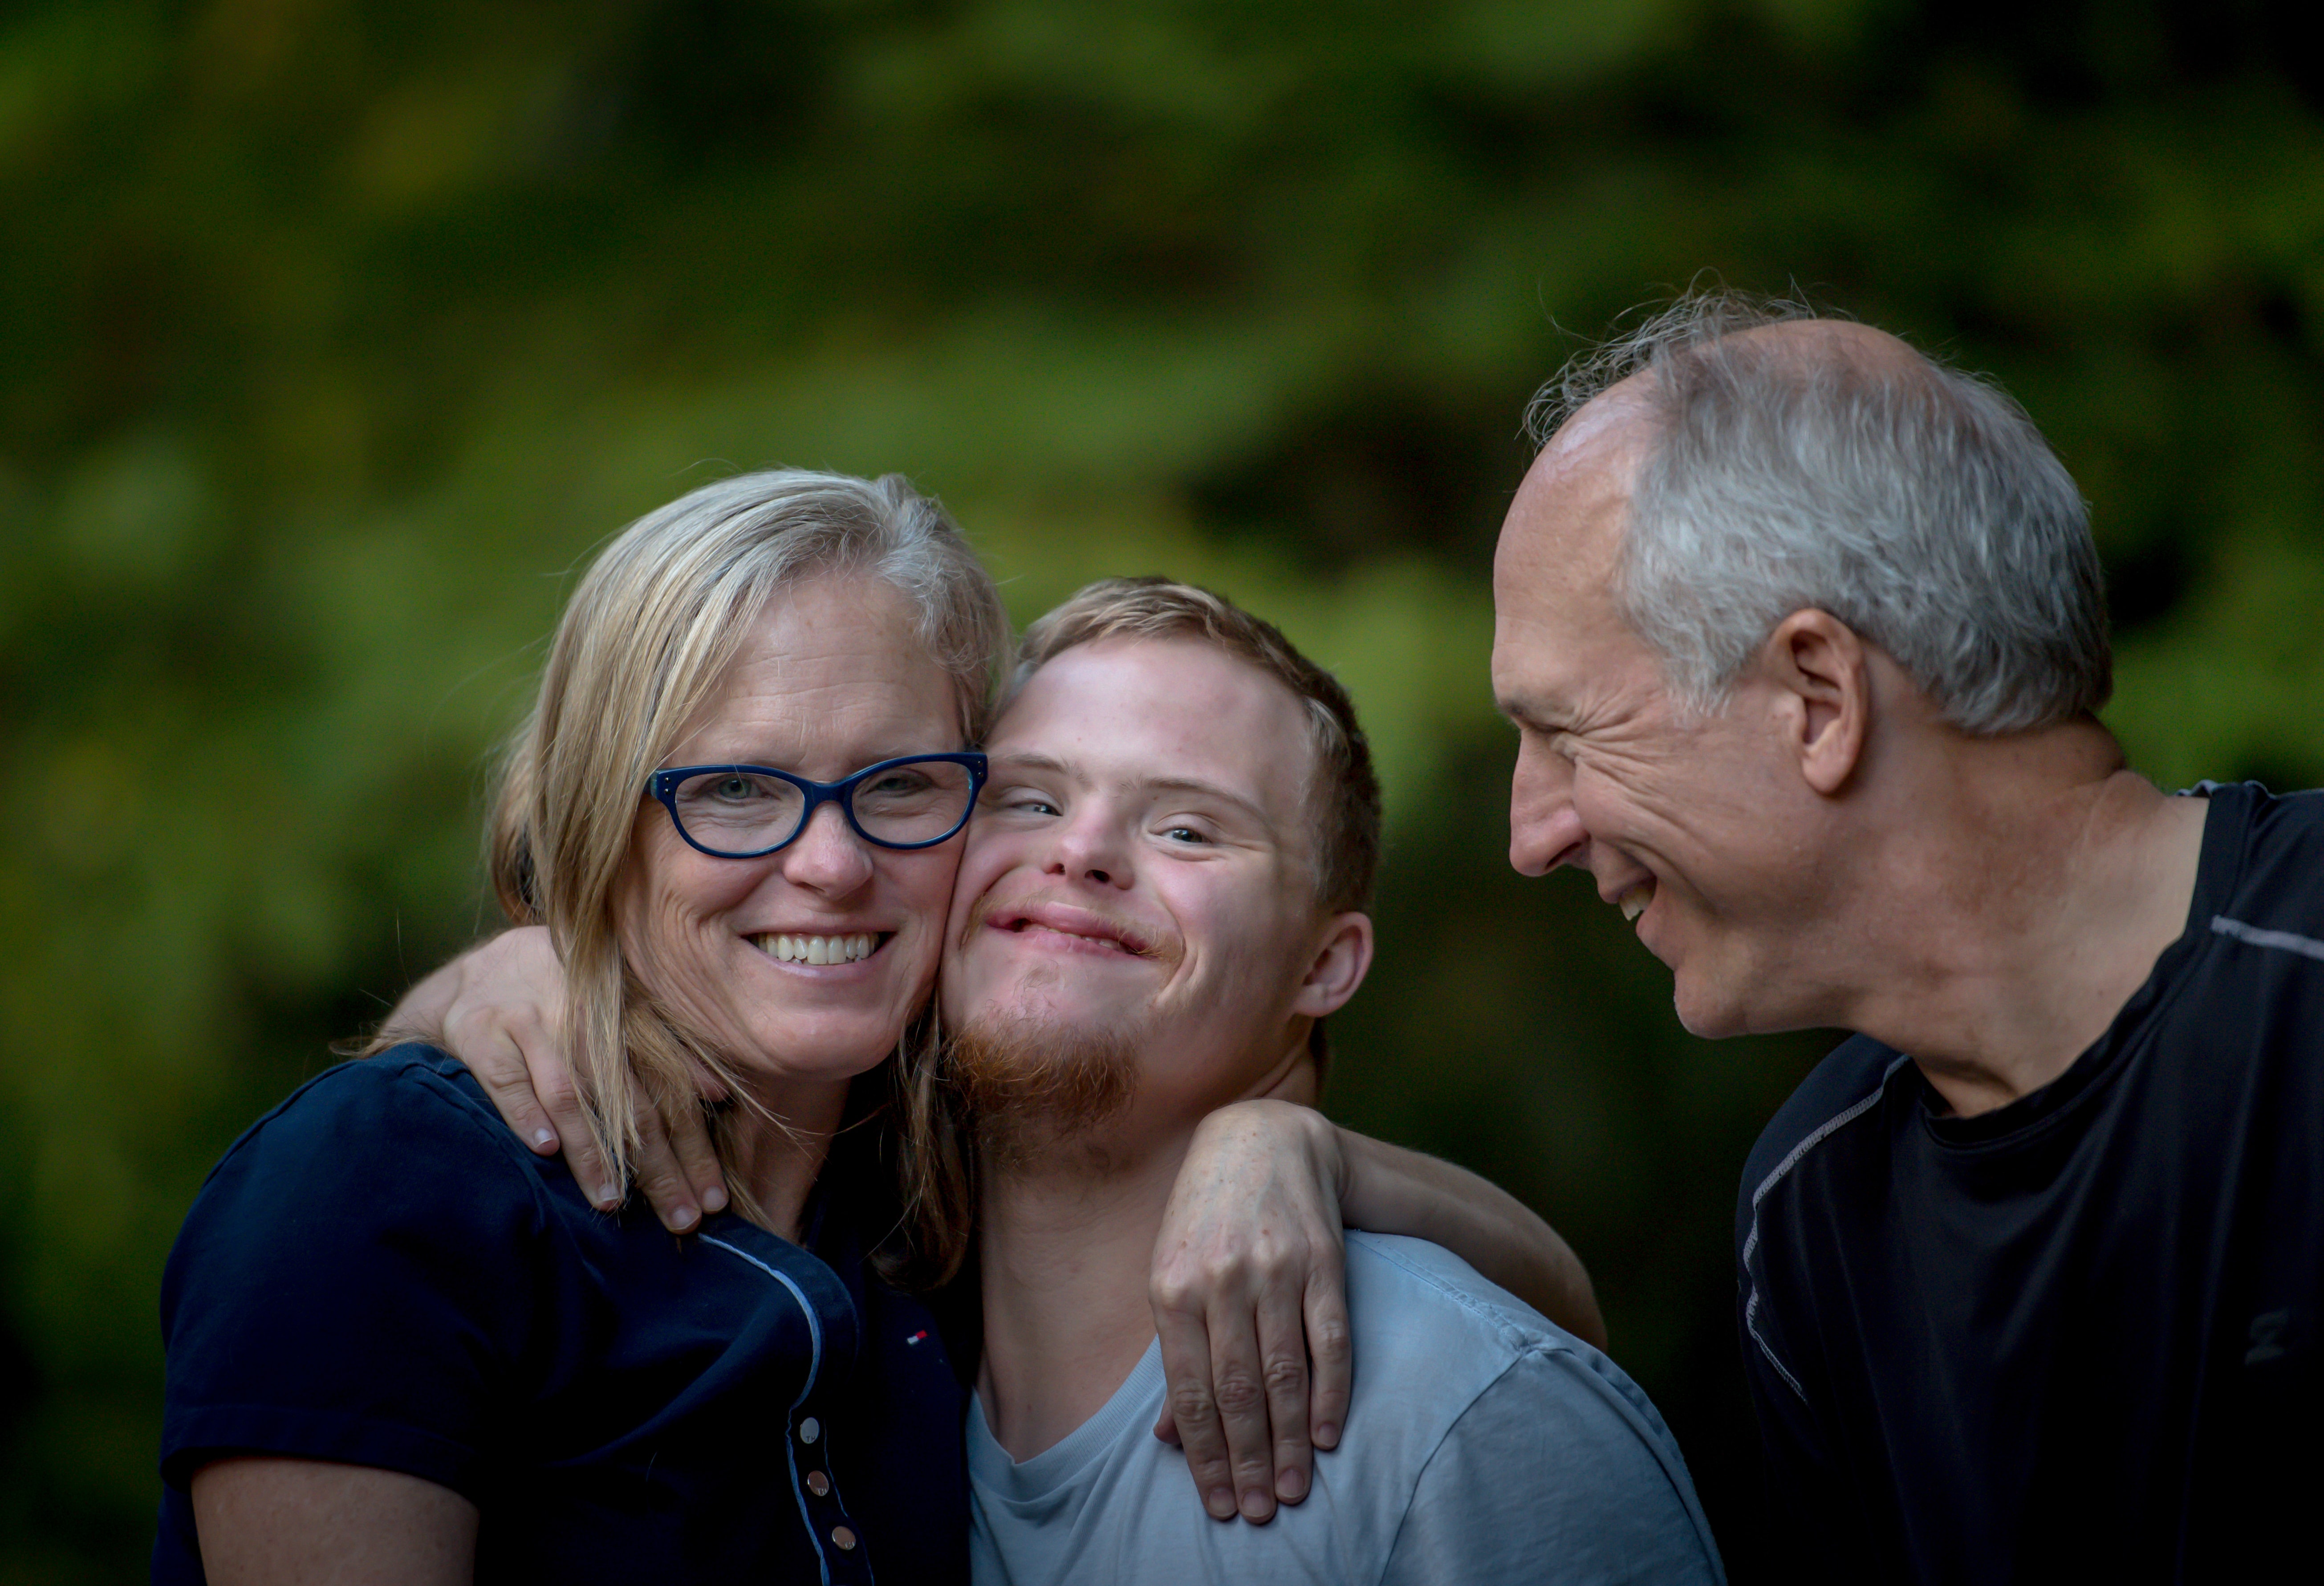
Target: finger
{"type": "Point", "coordinates": [552, 1082]}
{"type": "Point", "coordinates": [1238, 1388]}
{"type": "Point", "coordinates": [1282, 1373]}
{"type": "Point", "coordinates": [1331, 1354]}
{"type": "Point", "coordinates": [1186, 1366]}
{"type": "Point", "coordinates": [498, 1065]}
{"type": "Point", "coordinates": [698, 1159]}
{"type": "Point", "coordinates": [667, 1187]}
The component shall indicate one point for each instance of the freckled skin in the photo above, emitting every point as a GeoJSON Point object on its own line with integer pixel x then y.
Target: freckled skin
{"type": "Point", "coordinates": [831, 679]}
{"type": "Point", "coordinates": [1223, 888]}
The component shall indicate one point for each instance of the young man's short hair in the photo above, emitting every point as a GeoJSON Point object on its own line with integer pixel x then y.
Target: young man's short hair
{"type": "Point", "coordinates": [1343, 793]}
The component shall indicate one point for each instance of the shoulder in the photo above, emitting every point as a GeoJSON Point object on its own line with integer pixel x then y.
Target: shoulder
{"type": "Point", "coordinates": [1395, 1282]}
{"type": "Point", "coordinates": [1842, 1089]}
{"type": "Point", "coordinates": [1432, 1337]}
{"type": "Point", "coordinates": [2275, 845]}
{"type": "Point", "coordinates": [383, 1106]}
{"type": "Point", "coordinates": [405, 1139]}
{"type": "Point", "coordinates": [1534, 1440]}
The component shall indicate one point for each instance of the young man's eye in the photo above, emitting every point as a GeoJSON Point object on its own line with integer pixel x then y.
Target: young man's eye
{"type": "Point", "coordinates": [1183, 834]}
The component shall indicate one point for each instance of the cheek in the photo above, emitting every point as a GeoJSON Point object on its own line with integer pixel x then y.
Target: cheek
{"type": "Point", "coordinates": [988, 857]}
{"type": "Point", "coordinates": [670, 899]}
{"type": "Point", "coordinates": [921, 886]}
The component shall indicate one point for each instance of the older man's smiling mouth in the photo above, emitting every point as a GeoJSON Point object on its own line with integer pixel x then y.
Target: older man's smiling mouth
{"type": "Point", "coordinates": [1634, 899]}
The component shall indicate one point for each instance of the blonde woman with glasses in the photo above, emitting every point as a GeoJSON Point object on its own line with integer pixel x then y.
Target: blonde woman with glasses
{"type": "Point", "coordinates": [406, 1343]}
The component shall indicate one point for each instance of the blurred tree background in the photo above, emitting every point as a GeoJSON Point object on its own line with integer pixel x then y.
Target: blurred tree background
{"type": "Point", "coordinates": [334, 336]}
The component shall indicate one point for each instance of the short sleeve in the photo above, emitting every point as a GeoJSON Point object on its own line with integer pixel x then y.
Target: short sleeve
{"type": "Point", "coordinates": [1555, 1474]}
{"type": "Point", "coordinates": [355, 1282]}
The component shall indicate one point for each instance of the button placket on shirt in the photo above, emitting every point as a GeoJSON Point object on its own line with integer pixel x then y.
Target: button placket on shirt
{"type": "Point", "coordinates": [843, 1549]}
{"type": "Point", "coordinates": [836, 1539]}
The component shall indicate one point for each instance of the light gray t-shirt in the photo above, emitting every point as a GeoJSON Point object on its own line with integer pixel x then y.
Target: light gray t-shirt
{"type": "Point", "coordinates": [1482, 1443]}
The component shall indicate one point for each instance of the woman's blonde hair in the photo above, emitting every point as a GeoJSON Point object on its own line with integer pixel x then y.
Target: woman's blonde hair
{"type": "Point", "coordinates": [639, 654]}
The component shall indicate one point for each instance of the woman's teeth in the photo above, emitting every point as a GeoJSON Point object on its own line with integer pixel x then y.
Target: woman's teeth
{"type": "Point", "coordinates": [818, 949]}
{"type": "Point", "coordinates": [1633, 903]}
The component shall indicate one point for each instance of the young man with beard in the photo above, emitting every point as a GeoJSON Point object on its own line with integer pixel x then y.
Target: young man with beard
{"type": "Point", "coordinates": [1161, 902]}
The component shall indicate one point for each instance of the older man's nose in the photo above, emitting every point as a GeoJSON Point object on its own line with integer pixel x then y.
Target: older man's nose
{"type": "Point", "coordinates": [828, 857]}
{"type": "Point", "coordinates": [1544, 832]}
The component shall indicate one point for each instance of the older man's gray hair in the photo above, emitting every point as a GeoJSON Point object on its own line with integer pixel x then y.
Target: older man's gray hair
{"type": "Point", "coordinates": [1916, 503]}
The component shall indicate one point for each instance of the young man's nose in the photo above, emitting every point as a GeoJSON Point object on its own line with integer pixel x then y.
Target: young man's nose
{"type": "Point", "coordinates": [1093, 848]}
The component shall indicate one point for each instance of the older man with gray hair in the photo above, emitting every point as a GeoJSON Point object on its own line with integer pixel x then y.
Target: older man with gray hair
{"type": "Point", "coordinates": [1804, 636]}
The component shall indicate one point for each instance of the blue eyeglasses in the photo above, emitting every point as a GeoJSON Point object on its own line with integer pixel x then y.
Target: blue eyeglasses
{"type": "Point", "coordinates": [744, 811]}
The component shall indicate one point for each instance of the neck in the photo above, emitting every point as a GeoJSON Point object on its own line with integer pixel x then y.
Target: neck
{"type": "Point", "coordinates": [1066, 1248]}
{"type": "Point", "coordinates": [774, 1150]}
{"type": "Point", "coordinates": [2019, 891]}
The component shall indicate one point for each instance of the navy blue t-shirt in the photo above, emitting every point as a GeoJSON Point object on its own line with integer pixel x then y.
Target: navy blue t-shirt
{"type": "Point", "coordinates": [379, 1273]}
{"type": "Point", "coordinates": [2075, 1337]}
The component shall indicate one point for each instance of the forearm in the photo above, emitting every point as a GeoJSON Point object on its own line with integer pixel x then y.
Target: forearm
{"type": "Point", "coordinates": [420, 1012]}
{"type": "Point", "coordinates": [1388, 1189]}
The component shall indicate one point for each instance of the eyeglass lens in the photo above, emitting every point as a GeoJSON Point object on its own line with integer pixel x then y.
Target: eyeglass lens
{"type": "Point", "coordinates": [738, 811]}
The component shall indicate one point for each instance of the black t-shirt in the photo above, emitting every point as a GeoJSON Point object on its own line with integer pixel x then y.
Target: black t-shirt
{"type": "Point", "coordinates": [379, 1273]}
{"type": "Point", "coordinates": [2074, 1337]}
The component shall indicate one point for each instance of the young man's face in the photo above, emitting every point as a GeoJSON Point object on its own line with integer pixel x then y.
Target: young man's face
{"type": "Point", "coordinates": [1141, 869]}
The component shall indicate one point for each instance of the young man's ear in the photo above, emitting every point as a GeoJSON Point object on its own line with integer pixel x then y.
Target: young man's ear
{"type": "Point", "coordinates": [1338, 967]}
{"type": "Point", "coordinates": [1823, 695]}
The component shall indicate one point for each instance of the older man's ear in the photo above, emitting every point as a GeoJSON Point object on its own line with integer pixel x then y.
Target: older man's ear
{"type": "Point", "coordinates": [1822, 674]}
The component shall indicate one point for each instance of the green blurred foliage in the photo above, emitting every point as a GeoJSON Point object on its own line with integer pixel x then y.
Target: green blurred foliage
{"type": "Point", "coordinates": [334, 336]}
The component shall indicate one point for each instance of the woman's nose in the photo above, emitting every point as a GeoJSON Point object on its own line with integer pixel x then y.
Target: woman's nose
{"type": "Point", "coordinates": [827, 857]}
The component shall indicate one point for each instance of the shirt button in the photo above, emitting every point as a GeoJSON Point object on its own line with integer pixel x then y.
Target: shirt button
{"type": "Point", "coordinates": [810, 1429]}
{"type": "Point", "coordinates": [842, 1539]}
{"type": "Point", "coordinates": [818, 1483]}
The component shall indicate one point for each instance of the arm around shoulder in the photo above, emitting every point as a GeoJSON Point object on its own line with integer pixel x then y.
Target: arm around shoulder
{"type": "Point", "coordinates": [1388, 1189]}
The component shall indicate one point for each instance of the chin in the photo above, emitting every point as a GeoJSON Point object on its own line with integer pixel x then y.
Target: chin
{"type": "Point", "coordinates": [829, 1053]}
{"type": "Point", "coordinates": [1710, 1012]}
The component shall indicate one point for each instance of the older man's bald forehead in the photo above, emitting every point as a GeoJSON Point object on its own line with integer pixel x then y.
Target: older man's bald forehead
{"type": "Point", "coordinates": [1824, 343]}
{"type": "Point", "coordinates": [1578, 487]}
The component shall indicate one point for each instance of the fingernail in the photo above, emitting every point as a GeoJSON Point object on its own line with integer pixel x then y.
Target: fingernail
{"type": "Point", "coordinates": [605, 1198]}
{"type": "Point", "coordinates": [713, 1200]}
{"type": "Point", "coordinates": [1257, 1505]}
{"type": "Point", "coordinates": [544, 1139]}
{"type": "Point", "coordinates": [1327, 1435]}
{"type": "Point", "coordinates": [1220, 1503]}
{"type": "Point", "coordinates": [1290, 1486]}
{"type": "Point", "coordinates": [683, 1218]}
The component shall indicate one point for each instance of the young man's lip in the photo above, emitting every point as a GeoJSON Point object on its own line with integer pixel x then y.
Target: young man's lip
{"type": "Point", "coordinates": [1069, 921]}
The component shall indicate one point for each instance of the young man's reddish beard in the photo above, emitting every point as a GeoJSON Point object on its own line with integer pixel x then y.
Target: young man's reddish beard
{"type": "Point", "coordinates": [1033, 1084]}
